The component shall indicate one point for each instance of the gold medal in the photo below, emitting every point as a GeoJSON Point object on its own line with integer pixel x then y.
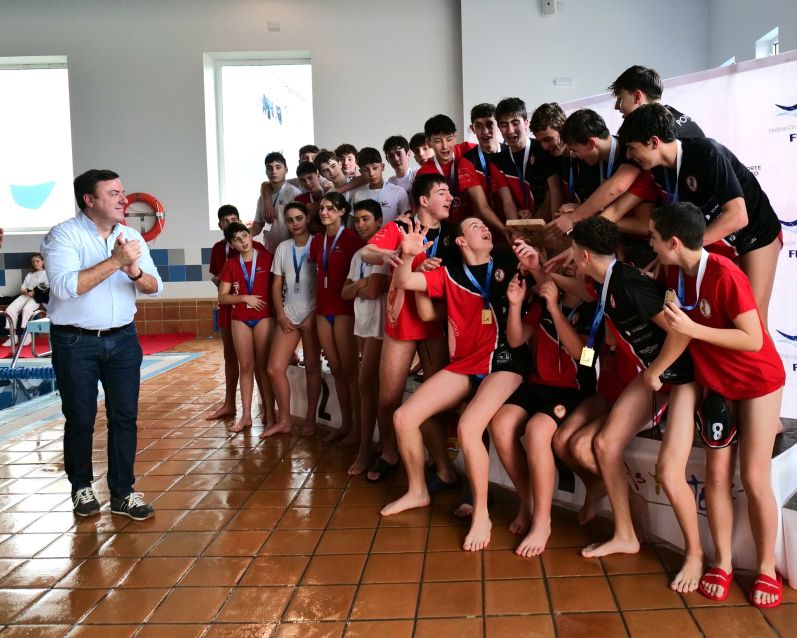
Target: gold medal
{"type": "Point", "coordinates": [587, 356]}
{"type": "Point", "coordinates": [487, 316]}
{"type": "Point", "coordinates": [669, 296]}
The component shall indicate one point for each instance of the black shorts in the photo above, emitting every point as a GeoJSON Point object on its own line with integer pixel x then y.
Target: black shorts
{"type": "Point", "coordinates": [557, 403]}
{"type": "Point", "coordinates": [517, 360]}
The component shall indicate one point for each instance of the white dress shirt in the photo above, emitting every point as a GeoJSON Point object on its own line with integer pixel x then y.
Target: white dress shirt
{"type": "Point", "coordinates": [76, 245]}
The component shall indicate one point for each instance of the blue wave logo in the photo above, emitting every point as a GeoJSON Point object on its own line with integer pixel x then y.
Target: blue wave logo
{"type": "Point", "coordinates": [787, 110]}
{"type": "Point", "coordinates": [789, 226]}
{"type": "Point", "coordinates": [786, 338]}
{"type": "Point", "coordinates": [32, 196]}
{"type": "Point", "coordinates": [789, 337]}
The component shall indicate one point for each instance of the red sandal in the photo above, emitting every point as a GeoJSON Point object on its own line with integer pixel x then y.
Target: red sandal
{"type": "Point", "coordinates": [767, 585]}
{"type": "Point", "coordinates": [716, 576]}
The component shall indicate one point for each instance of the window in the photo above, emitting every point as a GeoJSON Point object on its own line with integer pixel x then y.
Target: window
{"type": "Point", "coordinates": [768, 44]}
{"type": "Point", "coordinates": [36, 151]}
{"type": "Point", "coordinates": [260, 104]}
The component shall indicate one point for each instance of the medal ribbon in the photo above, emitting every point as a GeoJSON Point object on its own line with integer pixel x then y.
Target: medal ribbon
{"type": "Point", "coordinates": [298, 263]}
{"type": "Point", "coordinates": [453, 176]}
{"type": "Point", "coordinates": [249, 278]}
{"type": "Point", "coordinates": [678, 157]}
{"type": "Point", "coordinates": [598, 317]}
{"type": "Point", "coordinates": [610, 167]}
{"type": "Point", "coordinates": [325, 256]}
{"type": "Point", "coordinates": [701, 271]}
{"type": "Point", "coordinates": [484, 292]}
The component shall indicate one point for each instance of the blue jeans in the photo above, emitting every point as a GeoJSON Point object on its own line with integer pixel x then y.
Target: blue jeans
{"type": "Point", "coordinates": [80, 361]}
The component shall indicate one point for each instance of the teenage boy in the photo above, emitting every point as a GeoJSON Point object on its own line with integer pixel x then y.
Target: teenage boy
{"type": "Point", "coordinates": [279, 193]}
{"type": "Point", "coordinates": [397, 152]}
{"type": "Point", "coordinates": [475, 289]}
{"type": "Point", "coordinates": [529, 170]}
{"type": "Point", "coordinates": [632, 304]}
{"type": "Point", "coordinates": [405, 333]}
{"type": "Point", "coordinates": [347, 156]}
{"type": "Point", "coordinates": [307, 153]}
{"type": "Point", "coordinates": [595, 156]}
{"type": "Point", "coordinates": [393, 199]}
{"type": "Point", "coordinates": [312, 192]}
{"type": "Point", "coordinates": [740, 221]}
{"type": "Point", "coordinates": [546, 125]}
{"type": "Point", "coordinates": [219, 254]}
{"type": "Point", "coordinates": [441, 135]}
{"type": "Point", "coordinates": [480, 177]}
{"type": "Point", "coordinates": [330, 168]}
{"type": "Point", "coordinates": [636, 86]}
{"type": "Point", "coordinates": [421, 151]}
{"type": "Point", "coordinates": [712, 303]}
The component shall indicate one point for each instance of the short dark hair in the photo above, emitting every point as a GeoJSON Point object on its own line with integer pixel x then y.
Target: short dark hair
{"type": "Point", "coordinates": [276, 157]}
{"type": "Point", "coordinates": [338, 201]}
{"type": "Point", "coordinates": [86, 183]}
{"type": "Point", "coordinates": [683, 220]}
{"type": "Point", "coordinates": [645, 122]}
{"type": "Point", "coordinates": [582, 125]}
{"type": "Point", "coordinates": [510, 106]}
{"type": "Point", "coordinates": [439, 125]}
{"type": "Point", "coordinates": [306, 168]}
{"type": "Point", "coordinates": [228, 209]}
{"type": "Point", "coordinates": [416, 141]}
{"type": "Point", "coordinates": [345, 149]}
{"type": "Point", "coordinates": [638, 78]}
{"type": "Point", "coordinates": [423, 185]}
{"type": "Point", "coordinates": [395, 142]}
{"type": "Point", "coordinates": [308, 148]}
{"type": "Point", "coordinates": [547, 115]}
{"type": "Point", "coordinates": [368, 155]}
{"type": "Point", "coordinates": [459, 227]}
{"type": "Point", "coordinates": [371, 205]}
{"type": "Point", "coordinates": [233, 229]}
{"type": "Point", "coordinates": [634, 250]}
{"type": "Point", "coordinates": [596, 234]}
{"type": "Point", "coordinates": [301, 206]}
{"type": "Point", "coordinates": [485, 109]}
{"type": "Point", "coordinates": [324, 157]}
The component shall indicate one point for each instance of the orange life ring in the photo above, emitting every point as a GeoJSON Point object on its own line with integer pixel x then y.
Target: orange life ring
{"type": "Point", "coordinates": [157, 210]}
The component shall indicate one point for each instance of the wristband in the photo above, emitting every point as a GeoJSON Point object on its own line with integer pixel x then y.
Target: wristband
{"type": "Point", "coordinates": [138, 276]}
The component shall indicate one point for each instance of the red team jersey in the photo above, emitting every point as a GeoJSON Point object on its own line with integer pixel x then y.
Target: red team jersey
{"type": "Point", "coordinates": [401, 317]}
{"type": "Point", "coordinates": [232, 274]}
{"type": "Point", "coordinates": [491, 179]}
{"type": "Point", "coordinates": [460, 207]}
{"type": "Point", "coordinates": [724, 294]}
{"type": "Point", "coordinates": [328, 299]}
{"type": "Point", "coordinates": [219, 254]}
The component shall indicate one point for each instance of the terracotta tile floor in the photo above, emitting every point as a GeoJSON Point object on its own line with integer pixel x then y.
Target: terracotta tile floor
{"type": "Point", "coordinates": [274, 539]}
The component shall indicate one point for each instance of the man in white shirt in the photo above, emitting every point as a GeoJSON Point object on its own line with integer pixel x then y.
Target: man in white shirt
{"type": "Point", "coordinates": [280, 193]}
{"type": "Point", "coordinates": [393, 199]}
{"type": "Point", "coordinates": [96, 265]}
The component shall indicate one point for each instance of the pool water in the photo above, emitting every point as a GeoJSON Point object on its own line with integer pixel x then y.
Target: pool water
{"type": "Point", "coordinates": [16, 391]}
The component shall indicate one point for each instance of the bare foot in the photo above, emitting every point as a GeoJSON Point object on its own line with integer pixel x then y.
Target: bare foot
{"type": "Point", "coordinates": [463, 510]}
{"type": "Point", "coordinates": [245, 422]}
{"type": "Point", "coordinates": [522, 522]}
{"type": "Point", "coordinates": [222, 412]}
{"type": "Point", "coordinates": [350, 440]}
{"type": "Point", "coordinates": [533, 544]}
{"type": "Point", "coordinates": [688, 578]}
{"type": "Point", "coordinates": [308, 429]}
{"type": "Point", "coordinates": [406, 502]}
{"type": "Point", "coordinates": [712, 586]}
{"type": "Point", "coordinates": [613, 546]}
{"type": "Point", "coordinates": [595, 492]}
{"type": "Point", "coordinates": [361, 463]}
{"type": "Point", "coordinates": [277, 428]}
{"type": "Point", "coordinates": [335, 435]}
{"type": "Point", "coordinates": [478, 536]}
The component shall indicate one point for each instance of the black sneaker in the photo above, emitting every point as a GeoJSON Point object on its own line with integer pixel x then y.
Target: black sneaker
{"type": "Point", "coordinates": [133, 506]}
{"type": "Point", "coordinates": [84, 503]}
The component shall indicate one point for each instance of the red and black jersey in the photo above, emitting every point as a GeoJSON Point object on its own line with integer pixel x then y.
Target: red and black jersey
{"type": "Point", "coordinates": [711, 176]}
{"type": "Point", "coordinates": [460, 207]}
{"type": "Point", "coordinates": [632, 300]}
{"type": "Point", "coordinates": [472, 342]}
{"type": "Point", "coordinates": [332, 279]}
{"type": "Point", "coordinates": [528, 184]}
{"type": "Point", "coordinates": [401, 316]}
{"type": "Point", "coordinates": [481, 169]}
{"type": "Point", "coordinates": [232, 274]}
{"type": "Point", "coordinates": [553, 366]}
{"type": "Point", "coordinates": [219, 253]}
{"type": "Point", "coordinates": [725, 293]}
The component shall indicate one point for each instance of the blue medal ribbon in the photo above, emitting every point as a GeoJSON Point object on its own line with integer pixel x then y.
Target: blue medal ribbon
{"type": "Point", "coordinates": [298, 263]}
{"type": "Point", "coordinates": [610, 167]}
{"type": "Point", "coordinates": [598, 316]}
{"type": "Point", "coordinates": [249, 278]}
{"type": "Point", "coordinates": [485, 291]}
{"type": "Point", "coordinates": [521, 173]}
{"type": "Point", "coordinates": [452, 176]}
{"type": "Point", "coordinates": [673, 194]}
{"type": "Point", "coordinates": [486, 172]}
{"type": "Point", "coordinates": [326, 255]}
{"type": "Point", "coordinates": [701, 271]}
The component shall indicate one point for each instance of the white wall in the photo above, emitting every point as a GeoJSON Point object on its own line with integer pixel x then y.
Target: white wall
{"type": "Point", "coordinates": [511, 49]}
{"type": "Point", "coordinates": [136, 82]}
{"type": "Point", "coordinates": [735, 25]}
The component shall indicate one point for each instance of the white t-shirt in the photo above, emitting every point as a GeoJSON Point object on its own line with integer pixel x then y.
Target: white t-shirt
{"type": "Point", "coordinates": [406, 181]}
{"type": "Point", "coordinates": [34, 278]}
{"type": "Point", "coordinates": [392, 198]}
{"type": "Point", "coordinates": [277, 231]}
{"type": "Point", "coordinates": [298, 304]}
{"type": "Point", "coordinates": [369, 314]}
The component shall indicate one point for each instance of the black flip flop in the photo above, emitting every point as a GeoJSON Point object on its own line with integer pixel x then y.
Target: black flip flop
{"type": "Point", "coordinates": [380, 467]}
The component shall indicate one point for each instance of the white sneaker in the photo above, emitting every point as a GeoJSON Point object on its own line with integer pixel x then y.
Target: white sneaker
{"type": "Point", "coordinates": [26, 341]}
{"type": "Point", "coordinates": [7, 342]}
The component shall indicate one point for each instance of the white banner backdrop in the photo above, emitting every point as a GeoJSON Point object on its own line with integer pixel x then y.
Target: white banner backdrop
{"type": "Point", "coordinates": [751, 108]}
